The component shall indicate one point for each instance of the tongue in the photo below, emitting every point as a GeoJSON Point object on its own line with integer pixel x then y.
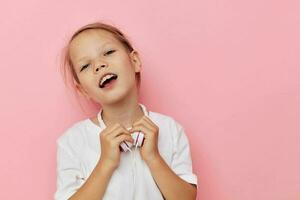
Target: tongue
{"type": "Point", "coordinates": [109, 82]}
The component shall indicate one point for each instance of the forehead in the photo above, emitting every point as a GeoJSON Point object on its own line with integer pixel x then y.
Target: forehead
{"type": "Point", "coordinates": [89, 40]}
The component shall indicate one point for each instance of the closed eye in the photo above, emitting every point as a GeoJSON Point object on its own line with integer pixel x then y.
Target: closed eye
{"type": "Point", "coordinates": [107, 53]}
{"type": "Point", "coordinates": [110, 52]}
{"type": "Point", "coordinates": [83, 67]}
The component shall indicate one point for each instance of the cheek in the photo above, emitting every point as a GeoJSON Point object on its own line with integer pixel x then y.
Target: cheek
{"type": "Point", "coordinates": [128, 74]}
{"type": "Point", "coordinates": [126, 69]}
{"type": "Point", "coordinates": [87, 82]}
{"type": "Point", "coordinates": [125, 62]}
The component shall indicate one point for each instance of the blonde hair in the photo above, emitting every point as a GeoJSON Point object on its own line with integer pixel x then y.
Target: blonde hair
{"type": "Point", "coordinates": [67, 67]}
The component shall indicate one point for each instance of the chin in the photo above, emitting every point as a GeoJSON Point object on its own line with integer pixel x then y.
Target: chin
{"type": "Point", "coordinates": [117, 95]}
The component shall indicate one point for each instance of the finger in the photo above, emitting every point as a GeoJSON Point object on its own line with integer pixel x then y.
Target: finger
{"type": "Point", "coordinates": [119, 131]}
{"type": "Point", "coordinates": [146, 124]}
{"type": "Point", "coordinates": [110, 129]}
{"type": "Point", "coordinates": [149, 124]}
{"type": "Point", "coordinates": [150, 121]}
{"type": "Point", "coordinates": [121, 138]}
{"type": "Point", "coordinates": [146, 131]}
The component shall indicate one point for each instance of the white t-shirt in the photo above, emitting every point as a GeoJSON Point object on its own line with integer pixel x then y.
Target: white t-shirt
{"type": "Point", "coordinates": [78, 151]}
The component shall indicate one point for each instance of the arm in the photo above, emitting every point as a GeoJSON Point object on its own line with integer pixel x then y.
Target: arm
{"type": "Point", "coordinates": [172, 181]}
{"type": "Point", "coordinates": [95, 186]}
{"type": "Point", "coordinates": [171, 186]}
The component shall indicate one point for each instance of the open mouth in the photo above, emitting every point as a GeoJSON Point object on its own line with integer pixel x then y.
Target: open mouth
{"type": "Point", "coordinates": [107, 79]}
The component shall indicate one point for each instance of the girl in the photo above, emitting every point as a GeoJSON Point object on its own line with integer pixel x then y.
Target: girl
{"type": "Point", "coordinates": [91, 164]}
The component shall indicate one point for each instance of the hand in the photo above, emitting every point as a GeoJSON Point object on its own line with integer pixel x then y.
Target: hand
{"type": "Point", "coordinates": [110, 139]}
{"type": "Point", "coordinates": [149, 150]}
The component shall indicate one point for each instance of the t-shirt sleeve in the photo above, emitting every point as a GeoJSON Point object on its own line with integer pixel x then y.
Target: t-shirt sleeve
{"type": "Point", "coordinates": [181, 159]}
{"type": "Point", "coordinates": [69, 174]}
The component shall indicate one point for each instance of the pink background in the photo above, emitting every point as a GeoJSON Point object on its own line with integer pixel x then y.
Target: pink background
{"type": "Point", "coordinates": [227, 70]}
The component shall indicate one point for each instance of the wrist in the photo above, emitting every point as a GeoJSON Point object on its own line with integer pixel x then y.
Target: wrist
{"type": "Point", "coordinates": [154, 160]}
{"type": "Point", "coordinates": [106, 165]}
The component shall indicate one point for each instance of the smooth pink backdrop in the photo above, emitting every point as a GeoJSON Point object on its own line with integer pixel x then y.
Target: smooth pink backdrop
{"type": "Point", "coordinates": [227, 70]}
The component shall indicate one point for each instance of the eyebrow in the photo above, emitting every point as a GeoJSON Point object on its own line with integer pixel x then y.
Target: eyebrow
{"type": "Point", "coordinates": [86, 56]}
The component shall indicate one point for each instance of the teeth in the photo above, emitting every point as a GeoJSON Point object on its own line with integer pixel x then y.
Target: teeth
{"type": "Point", "coordinates": [106, 77]}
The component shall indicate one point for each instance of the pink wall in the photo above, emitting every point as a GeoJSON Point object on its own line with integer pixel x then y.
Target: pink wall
{"type": "Point", "coordinates": [228, 70]}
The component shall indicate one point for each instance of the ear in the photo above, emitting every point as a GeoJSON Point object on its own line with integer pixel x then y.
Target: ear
{"type": "Point", "coordinates": [136, 61]}
{"type": "Point", "coordinates": [82, 91]}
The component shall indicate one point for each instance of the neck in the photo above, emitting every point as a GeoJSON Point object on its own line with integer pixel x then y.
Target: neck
{"type": "Point", "coordinates": [124, 112]}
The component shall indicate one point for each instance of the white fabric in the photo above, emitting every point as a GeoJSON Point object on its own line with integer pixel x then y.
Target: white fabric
{"type": "Point", "coordinates": [78, 151]}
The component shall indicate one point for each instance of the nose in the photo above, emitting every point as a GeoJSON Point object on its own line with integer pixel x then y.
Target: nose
{"type": "Point", "coordinates": [98, 66]}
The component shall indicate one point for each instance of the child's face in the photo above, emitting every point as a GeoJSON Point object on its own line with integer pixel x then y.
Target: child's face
{"type": "Point", "coordinates": [89, 49]}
